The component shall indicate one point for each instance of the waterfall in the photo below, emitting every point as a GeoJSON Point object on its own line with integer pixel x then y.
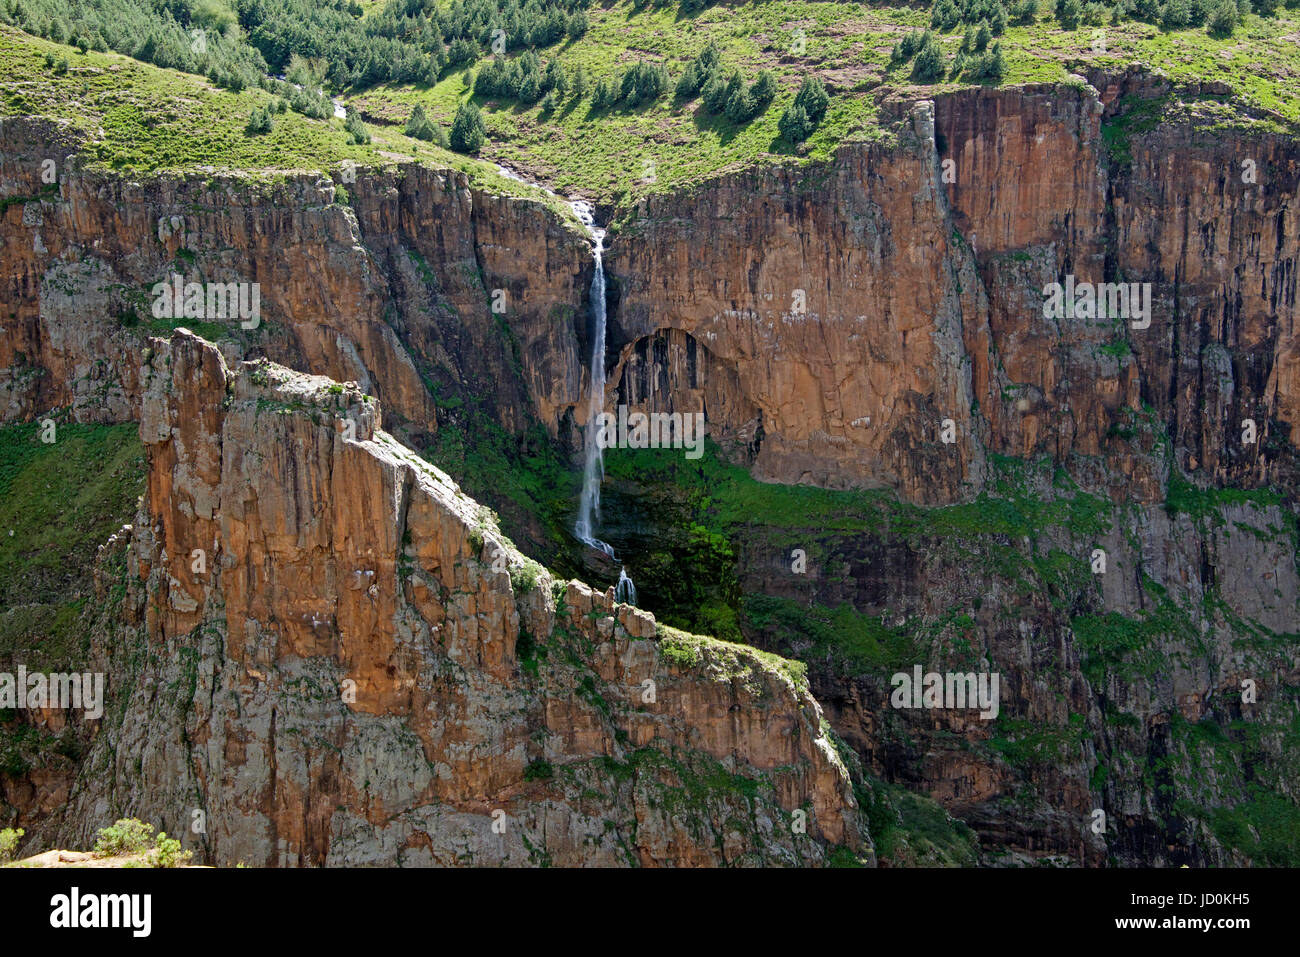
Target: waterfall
{"type": "Point", "coordinates": [625, 591]}
{"type": "Point", "coordinates": [593, 468]}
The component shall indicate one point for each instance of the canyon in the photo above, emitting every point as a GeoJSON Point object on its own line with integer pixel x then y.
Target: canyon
{"type": "Point", "coordinates": [828, 317]}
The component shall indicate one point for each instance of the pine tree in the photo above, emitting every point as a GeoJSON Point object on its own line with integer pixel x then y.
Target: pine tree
{"type": "Point", "coordinates": [468, 131]}
{"type": "Point", "coordinates": [740, 106]}
{"type": "Point", "coordinates": [929, 66]}
{"type": "Point", "coordinates": [998, 22]}
{"type": "Point", "coordinates": [814, 99]}
{"type": "Point", "coordinates": [714, 96]}
{"type": "Point", "coordinates": [794, 124]}
{"type": "Point", "coordinates": [1223, 19]}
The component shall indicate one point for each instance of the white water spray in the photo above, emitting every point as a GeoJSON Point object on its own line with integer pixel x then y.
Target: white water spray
{"type": "Point", "coordinates": [593, 469]}
{"type": "Point", "coordinates": [625, 591]}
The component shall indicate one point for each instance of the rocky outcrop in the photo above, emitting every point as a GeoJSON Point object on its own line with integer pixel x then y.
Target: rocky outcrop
{"type": "Point", "coordinates": [876, 319]}
{"type": "Point", "coordinates": [332, 656]}
{"type": "Point", "coordinates": [828, 318]}
{"type": "Point", "coordinates": [1158, 690]}
{"type": "Point", "coordinates": [836, 298]}
{"type": "Point", "coordinates": [922, 262]}
{"type": "Point", "coordinates": [1086, 184]}
{"type": "Point", "coordinates": [385, 277]}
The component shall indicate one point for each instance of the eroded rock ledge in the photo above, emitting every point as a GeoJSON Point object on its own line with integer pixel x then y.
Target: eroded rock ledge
{"type": "Point", "coordinates": [363, 670]}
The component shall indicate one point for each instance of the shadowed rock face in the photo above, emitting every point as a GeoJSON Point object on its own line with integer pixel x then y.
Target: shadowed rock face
{"type": "Point", "coordinates": [364, 671]}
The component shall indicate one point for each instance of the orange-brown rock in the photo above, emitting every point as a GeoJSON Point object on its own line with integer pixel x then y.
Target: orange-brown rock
{"type": "Point", "coordinates": [365, 671]}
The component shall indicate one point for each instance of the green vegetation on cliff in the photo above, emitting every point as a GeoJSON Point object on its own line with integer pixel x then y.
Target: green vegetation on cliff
{"type": "Point", "coordinates": [58, 503]}
{"type": "Point", "coordinates": [611, 101]}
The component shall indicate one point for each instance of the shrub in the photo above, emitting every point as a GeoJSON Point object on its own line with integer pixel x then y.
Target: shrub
{"type": "Point", "coordinates": [538, 771]}
{"type": "Point", "coordinates": [9, 839]}
{"type": "Point", "coordinates": [356, 130]}
{"type": "Point", "coordinates": [259, 121]}
{"type": "Point", "coordinates": [167, 852]}
{"type": "Point", "coordinates": [421, 127]}
{"type": "Point", "coordinates": [524, 578]}
{"type": "Point", "coordinates": [1223, 20]}
{"type": "Point", "coordinates": [126, 836]}
{"type": "Point", "coordinates": [468, 131]}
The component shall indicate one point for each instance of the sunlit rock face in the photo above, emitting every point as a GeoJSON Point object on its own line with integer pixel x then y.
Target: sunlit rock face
{"type": "Point", "coordinates": [365, 671]}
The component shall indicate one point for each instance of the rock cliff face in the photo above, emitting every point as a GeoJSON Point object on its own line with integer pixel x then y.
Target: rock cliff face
{"type": "Point", "coordinates": [921, 263]}
{"type": "Point", "coordinates": [828, 318]}
{"type": "Point", "coordinates": [392, 291]}
{"type": "Point", "coordinates": [835, 299]}
{"type": "Point", "coordinates": [331, 655]}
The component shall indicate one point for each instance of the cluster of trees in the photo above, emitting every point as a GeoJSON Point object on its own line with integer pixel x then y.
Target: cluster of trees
{"type": "Point", "coordinates": [948, 15]}
{"type": "Point", "coordinates": [196, 36]}
{"type": "Point", "coordinates": [801, 117]}
{"type": "Point", "coordinates": [1219, 17]}
{"type": "Point", "coordinates": [242, 43]}
{"type": "Point", "coordinates": [262, 118]}
{"type": "Point", "coordinates": [725, 95]}
{"type": "Point", "coordinates": [419, 126]}
{"type": "Point", "coordinates": [523, 78]}
{"type": "Point", "coordinates": [259, 121]}
{"type": "Point", "coordinates": [640, 83]}
{"type": "Point", "coordinates": [976, 60]}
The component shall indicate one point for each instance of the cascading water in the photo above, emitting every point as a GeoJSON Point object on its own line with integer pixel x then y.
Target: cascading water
{"type": "Point", "coordinates": [625, 591]}
{"type": "Point", "coordinates": [593, 468]}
